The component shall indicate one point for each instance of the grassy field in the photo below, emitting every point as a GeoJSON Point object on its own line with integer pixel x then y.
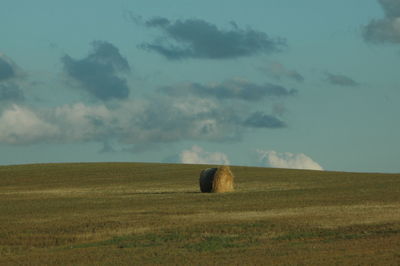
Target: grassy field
{"type": "Point", "coordinates": [135, 213]}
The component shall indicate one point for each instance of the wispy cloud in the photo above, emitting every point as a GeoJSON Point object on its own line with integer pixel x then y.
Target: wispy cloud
{"type": "Point", "coordinates": [196, 38]}
{"type": "Point", "coordinates": [261, 120]}
{"type": "Point", "coordinates": [278, 71]}
{"type": "Point", "coordinates": [230, 89]}
{"type": "Point", "coordinates": [340, 80]}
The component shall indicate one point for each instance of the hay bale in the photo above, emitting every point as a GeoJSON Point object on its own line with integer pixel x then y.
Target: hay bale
{"type": "Point", "coordinates": [206, 179]}
{"type": "Point", "coordinates": [223, 180]}
{"type": "Point", "coordinates": [216, 180]}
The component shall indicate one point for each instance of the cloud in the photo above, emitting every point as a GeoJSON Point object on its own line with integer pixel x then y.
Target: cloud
{"type": "Point", "coordinates": [64, 124]}
{"type": "Point", "coordinates": [288, 160]}
{"type": "Point", "coordinates": [138, 122]}
{"type": "Point", "coordinates": [230, 89]}
{"type": "Point", "coordinates": [80, 122]}
{"type": "Point", "coordinates": [340, 80]}
{"type": "Point", "coordinates": [261, 120]}
{"type": "Point", "coordinates": [278, 71]}
{"type": "Point", "coordinates": [386, 29]}
{"type": "Point", "coordinates": [168, 119]}
{"type": "Point", "coordinates": [7, 70]}
{"type": "Point", "coordinates": [98, 72]}
{"type": "Point", "coordinates": [391, 8]}
{"type": "Point", "coordinates": [196, 155]}
{"type": "Point", "coordinates": [196, 38]}
{"type": "Point", "coordinates": [10, 92]}
{"type": "Point", "coordinates": [162, 118]}
{"type": "Point", "coordinates": [19, 125]}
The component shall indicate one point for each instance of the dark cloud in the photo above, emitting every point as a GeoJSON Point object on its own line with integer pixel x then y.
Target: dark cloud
{"type": "Point", "coordinates": [98, 72]}
{"type": "Point", "coordinates": [231, 89]}
{"type": "Point", "coordinates": [261, 120]}
{"type": "Point", "coordinates": [386, 29]}
{"type": "Point", "coordinates": [196, 38]}
{"type": "Point", "coordinates": [340, 80]}
{"type": "Point", "coordinates": [6, 69]}
{"type": "Point", "coordinates": [278, 71]}
{"type": "Point", "coordinates": [10, 92]}
{"type": "Point", "coordinates": [9, 89]}
{"type": "Point", "coordinates": [391, 8]}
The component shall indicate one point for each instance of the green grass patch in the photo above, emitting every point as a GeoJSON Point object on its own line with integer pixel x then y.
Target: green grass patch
{"type": "Point", "coordinates": [214, 243]}
{"type": "Point", "coordinates": [346, 233]}
{"type": "Point", "coordinates": [133, 241]}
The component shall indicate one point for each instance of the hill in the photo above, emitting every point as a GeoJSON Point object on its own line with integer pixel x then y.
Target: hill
{"type": "Point", "coordinates": [139, 213]}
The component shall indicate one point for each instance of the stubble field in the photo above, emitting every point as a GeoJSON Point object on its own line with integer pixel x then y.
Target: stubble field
{"type": "Point", "coordinates": [136, 213]}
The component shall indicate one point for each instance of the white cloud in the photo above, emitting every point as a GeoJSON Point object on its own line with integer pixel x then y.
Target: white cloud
{"type": "Point", "coordinates": [194, 105]}
{"type": "Point", "coordinates": [81, 122]}
{"type": "Point", "coordinates": [19, 125]}
{"type": "Point", "coordinates": [288, 160]}
{"type": "Point", "coordinates": [396, 25]}
{"type": "Point", "coordinates": [78, 122]}
{"type": "Point", "coordinates": [196, 155]}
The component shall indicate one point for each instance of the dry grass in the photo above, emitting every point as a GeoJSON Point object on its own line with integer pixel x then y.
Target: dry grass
{"type": "Point", "coordinates": [318, 216]}
{"type": "Point", "coordinates": [122, 213]}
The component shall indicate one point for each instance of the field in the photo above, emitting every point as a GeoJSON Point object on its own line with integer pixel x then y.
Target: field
{"type": "Point", "coordinates": [136, 213]}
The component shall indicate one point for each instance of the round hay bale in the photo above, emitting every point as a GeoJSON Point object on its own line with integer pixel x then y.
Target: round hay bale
{"type": "Point", "coordinates": [216, 180]}
{"type": "Point", "coordinates": [206, 179]}
{"type": "Point", "coordinates": [223, 180]}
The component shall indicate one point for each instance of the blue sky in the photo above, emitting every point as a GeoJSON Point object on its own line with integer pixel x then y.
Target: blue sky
{"type": "Point", "coordinates": [296, 84]}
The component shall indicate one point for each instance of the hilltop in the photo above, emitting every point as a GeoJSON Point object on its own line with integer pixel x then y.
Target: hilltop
{"type": "Point", "coordinates": [142, 213]}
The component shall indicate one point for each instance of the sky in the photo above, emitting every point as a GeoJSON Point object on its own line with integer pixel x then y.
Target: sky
{"type": "Point", "coordinates": [293, 84]}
